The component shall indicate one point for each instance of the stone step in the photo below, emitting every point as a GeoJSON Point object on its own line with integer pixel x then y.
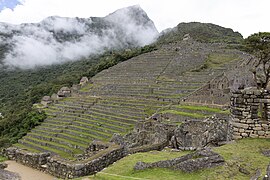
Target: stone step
{"type": "Point", "coordinates": [114, 113]}
{"type": "Point", "coordinates": [44, 148]}
{"type": "Point", "coordinates": [116, 126]}
{"type": "Point", "coordinates": [91, 132]}
{"type": "Point", "coordinates": [62, 135]}
{"type": "Point", "coordinates": [58, 140]}
{"type": "Point", "coordinates": [52, 145]}
{"type": "Point", "coordinates": [114, 118]}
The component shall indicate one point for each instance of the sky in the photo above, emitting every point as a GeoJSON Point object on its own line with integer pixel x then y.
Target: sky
{"type": "Point", "coordinates": [244, 16]}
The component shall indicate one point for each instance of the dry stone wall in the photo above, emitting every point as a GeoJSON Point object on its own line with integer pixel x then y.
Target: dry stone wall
{"type": "Point", "coordinates": [67, 169]}
{"type": "Point", "coordinates": [250, 110]}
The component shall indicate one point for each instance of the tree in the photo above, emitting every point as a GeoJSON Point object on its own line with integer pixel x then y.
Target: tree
{"type": "Point", "coordinates": [259, 45]}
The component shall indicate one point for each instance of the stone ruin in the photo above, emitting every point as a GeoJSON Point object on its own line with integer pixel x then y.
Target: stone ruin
{"type": "Point", "coordinates": [83, 81]}
{"type": "Point", "coordinates": [218, 90]}
{"type": "Point", "coordinates": [250, 109]}
{"type": "Point", "coordinates": [64, 92]}
{"type": "Point", "coordinates": [67, 169]}
{"type": "Point", "coordinates": [46, 100]}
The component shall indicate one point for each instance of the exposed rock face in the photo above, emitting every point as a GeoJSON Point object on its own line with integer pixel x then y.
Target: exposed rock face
{"type": "Point", "coordinates": [196, 133]}
{"type": "Point", "coordinates": [149, 132]}
{"type": "Point", "coordinates": [189, 163]}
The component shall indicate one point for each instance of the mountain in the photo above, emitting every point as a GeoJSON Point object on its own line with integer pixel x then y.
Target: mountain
{"type": "Point", "coordinates": [202, 32]}
{"type": "Point", "coordinates": [60, 39]}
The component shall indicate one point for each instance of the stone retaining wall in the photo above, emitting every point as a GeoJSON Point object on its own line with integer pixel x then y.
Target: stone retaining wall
{"type": "Point", "coordinates": [67, 169]}
{"type": "Point", "coordinates": [247, 118]}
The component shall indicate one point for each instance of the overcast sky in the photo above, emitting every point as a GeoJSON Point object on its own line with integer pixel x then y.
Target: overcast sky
{"type": "Point", "coordinates": [245, 16]}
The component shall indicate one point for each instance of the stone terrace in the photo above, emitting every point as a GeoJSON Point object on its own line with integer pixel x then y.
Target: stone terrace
{"type": "Point", "coordinates": [118, 97]}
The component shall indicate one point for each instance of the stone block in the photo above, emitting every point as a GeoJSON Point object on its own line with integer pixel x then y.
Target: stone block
{"type": "Point", "coordinates": [240, 125]}
{"type": "Point", "coordinates": [249, 121]}
{"type": "Point", "coordinates": [261, 133]}
{"type": "Point", "coordinates": [257, 128]}
{"type": "Point", "coordinates": [254, 135]}
{"type": "Point", "coordinates": [241, 130]}
{"type": "Point", "coordinates": [244, 134]}
{"type": "Point", "coordinates": [236, 134]}
{"type": "Point", "coordinates": [237, 137]}
{"type": "Point", "coordinates": [265, 100]}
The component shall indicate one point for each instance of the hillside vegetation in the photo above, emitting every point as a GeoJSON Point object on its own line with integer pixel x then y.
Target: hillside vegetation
{"type": "Point", "coordinates": [20, 89]}
{"type": "Point", "coordinates": [202, 32]}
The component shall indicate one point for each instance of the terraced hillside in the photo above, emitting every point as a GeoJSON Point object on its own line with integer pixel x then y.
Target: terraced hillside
{"type": "Point", "coordinates": [133, 90]}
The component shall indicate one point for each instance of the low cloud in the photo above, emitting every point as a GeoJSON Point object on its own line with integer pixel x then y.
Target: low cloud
{"type": "Point", "coordinates": [56, 40]}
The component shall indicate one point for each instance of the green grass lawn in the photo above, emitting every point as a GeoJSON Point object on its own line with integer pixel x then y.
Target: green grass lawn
{"type": "Point", "coordinates": [203, 108]}
{"type": "Point", "coordinates": [2, 158]}
{"type": "Point", "coordinates": [244, 154]}
{"type": "Point", "coordinates": [193, 115]}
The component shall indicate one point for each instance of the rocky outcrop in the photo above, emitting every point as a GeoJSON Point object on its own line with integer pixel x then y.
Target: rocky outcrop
{"type": "Point", "coordinates": [195, 134]}
{"type": "Point", "coordinates": [149, 132]}
{"type": "Point", "coordinates": [190, 135]}
{"type": "Point", "coordinates": [189, 163]}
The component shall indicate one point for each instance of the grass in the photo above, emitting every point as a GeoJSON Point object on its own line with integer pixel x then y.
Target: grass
{"type": "Point", "coordinates": [192, 115]}
{"type": "Point", "coordinates": [204, 108]}
{"type": "Point", "coordinates": [216, 60]}
{"type": "Point", "coordinates": [245, 153]}
{"type": "Point", "coordinates": [2, 158]}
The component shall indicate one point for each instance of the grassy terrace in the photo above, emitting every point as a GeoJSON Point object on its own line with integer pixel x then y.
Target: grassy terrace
{"type": "Point", "coordinates": [244, 153]}
{"type": "Point", "coordinates": [184, 112]}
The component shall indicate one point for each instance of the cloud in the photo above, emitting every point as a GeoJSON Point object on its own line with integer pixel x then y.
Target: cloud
{"type": "Point", "coordinates": [245, 16]}
{"type": "Point", "coordinates": [56, 40]}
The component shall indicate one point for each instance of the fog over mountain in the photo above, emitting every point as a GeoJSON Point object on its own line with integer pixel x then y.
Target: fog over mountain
{"type": "Point", "coordinates": [58, 39]}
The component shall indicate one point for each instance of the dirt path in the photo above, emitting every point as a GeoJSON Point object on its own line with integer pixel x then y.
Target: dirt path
{"type": "Point", "coordinates": [27, 173]}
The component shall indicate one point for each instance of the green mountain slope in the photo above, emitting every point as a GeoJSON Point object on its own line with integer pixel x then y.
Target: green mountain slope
{"type": "Point", "coordinates": [202, 32]}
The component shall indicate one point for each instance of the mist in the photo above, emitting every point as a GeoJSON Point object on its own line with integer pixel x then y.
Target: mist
{"type": "Point", "coordinates": [57, 40]}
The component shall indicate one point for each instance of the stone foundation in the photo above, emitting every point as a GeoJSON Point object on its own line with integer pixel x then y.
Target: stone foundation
{"type": "Point", "coordinates": [247, 118]}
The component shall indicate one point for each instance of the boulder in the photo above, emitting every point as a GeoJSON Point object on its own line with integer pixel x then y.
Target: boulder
{"type": "Point", "coordinates": [195, 161]}
{"type": "Point", "coordinates": [6, 175]}
{"type": "Point", "coordinates": [3, 165]}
